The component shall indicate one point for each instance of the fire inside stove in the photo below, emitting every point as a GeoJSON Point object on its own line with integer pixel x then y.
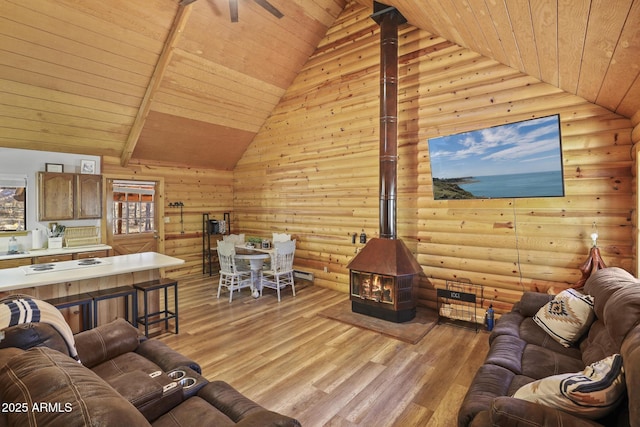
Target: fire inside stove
{"type": "Point", "coordinates": [373, 287]}
{"type": "Point", "coordinates": [383, 296]}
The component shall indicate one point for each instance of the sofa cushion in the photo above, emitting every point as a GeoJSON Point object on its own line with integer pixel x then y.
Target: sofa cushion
{"type": "Point", "coordinates": [598, 344]}
{"type": "Point", "coordinates": [524, 328]}
{"type": "Point", "coordinates": [107, 341]}
{"type": "Point", "coordinates": [567, 317]}
{"type": "Point", "coordinates": [539, 362]}
{"type": "Point", "coordinates": [592, 393]}
{"type": "Point", "coordinates": [507, 412]}
{"type": "Point", "coordinates": [77, 396]}
{"type": "Point", "coordinates": [192, 412]}
{"type": "Point", "coordinates": [221, 405]}
{"type": "Point", "coordinates": [622, 312]}
{"type": "Point", "coordinates": [602, 284]}
{"type": "Point", "coordinates": [534, 334]}
{"type": "Point", "coordinates": [490, 381]}
{"type": "Point", "coordinates": [506, 351]}
{"type": "Point", "coordinates": [530, 303]}
{"type": "Point", "coordinates": [123, 364]}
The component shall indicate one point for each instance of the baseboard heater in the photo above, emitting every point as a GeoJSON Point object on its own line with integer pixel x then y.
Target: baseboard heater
{"type": "Point", "coordinates": [304, 275]}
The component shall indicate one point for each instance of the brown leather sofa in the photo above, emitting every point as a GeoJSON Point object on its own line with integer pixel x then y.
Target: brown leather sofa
{"type": "Point", "coordinates": [522, 352]}
{"type": "Point", "coordinates": [122, 378]}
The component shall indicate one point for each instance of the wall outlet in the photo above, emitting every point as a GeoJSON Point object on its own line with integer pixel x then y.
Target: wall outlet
{"type": "Point", "coordinates": [326, 269]}
{"type": "Point", "coordinates": [167, 219]}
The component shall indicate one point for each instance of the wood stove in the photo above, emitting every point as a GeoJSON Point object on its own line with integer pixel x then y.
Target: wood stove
{"type": "Point", "coordinates": [383, 278]}
{"type": "Point", "coordinates": [384, 274]}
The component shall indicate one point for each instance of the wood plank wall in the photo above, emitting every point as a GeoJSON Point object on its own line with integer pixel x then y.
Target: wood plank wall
{"type": "Point", "coordinates": [312, 170]}
{"type": "Point", "coordinates": [201, 191]}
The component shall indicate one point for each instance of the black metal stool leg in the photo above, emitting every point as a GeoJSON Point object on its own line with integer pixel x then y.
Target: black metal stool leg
{"type": "Point", "coordinates": [164, 315]}
{"type": "Point", "coordinates": [175, 303]}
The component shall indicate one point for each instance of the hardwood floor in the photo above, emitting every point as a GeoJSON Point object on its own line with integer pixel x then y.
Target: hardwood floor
{"type": "Point", "coordinates": [323, 372]}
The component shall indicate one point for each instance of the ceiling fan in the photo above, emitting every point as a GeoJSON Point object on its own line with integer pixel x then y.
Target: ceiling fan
{"type": "Point", "coordinates": [233, 8]}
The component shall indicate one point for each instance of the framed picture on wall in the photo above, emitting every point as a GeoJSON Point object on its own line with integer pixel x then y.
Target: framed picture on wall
{"type": "Point", "coordinates": [88, 166]}
{"type": "Point", "coordinates": [54, 167]}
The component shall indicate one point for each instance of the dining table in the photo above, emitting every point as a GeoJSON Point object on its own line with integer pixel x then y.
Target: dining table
{"type": "Point", "coordinates": [256, 259]}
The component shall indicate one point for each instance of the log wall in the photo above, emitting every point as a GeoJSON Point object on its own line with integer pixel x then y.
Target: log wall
{"type": "Point", "coordinates": [312, 170]}
{"type": "Point", "coordinates": [201, 191]}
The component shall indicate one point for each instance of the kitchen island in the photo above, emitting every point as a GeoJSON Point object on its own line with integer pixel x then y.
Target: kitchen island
{"type": "Point", "coordinates": [78, 276]}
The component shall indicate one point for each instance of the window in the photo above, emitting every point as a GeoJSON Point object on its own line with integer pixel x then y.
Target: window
{"type": "Point", "coordinates": [13, 203]}
{"type": "Point", "coordinates": [133, 207]}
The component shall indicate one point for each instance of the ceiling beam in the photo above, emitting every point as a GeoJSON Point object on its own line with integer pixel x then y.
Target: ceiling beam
{"type": "Point", "coordinates": [161, 66]}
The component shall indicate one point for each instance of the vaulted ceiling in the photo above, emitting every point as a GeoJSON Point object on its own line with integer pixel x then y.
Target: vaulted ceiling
{"type": "Point", "coordinates": [153, 81]}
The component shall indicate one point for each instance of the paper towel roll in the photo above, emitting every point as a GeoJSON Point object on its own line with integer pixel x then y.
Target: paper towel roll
{"type": "Point", "coordinates": [37, 239]}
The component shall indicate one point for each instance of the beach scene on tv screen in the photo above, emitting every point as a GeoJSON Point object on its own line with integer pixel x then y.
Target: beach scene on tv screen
{"type": "Point", "coordinates": [522, 159]}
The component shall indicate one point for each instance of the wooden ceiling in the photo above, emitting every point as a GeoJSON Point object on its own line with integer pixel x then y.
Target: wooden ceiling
{"type": "Point", "coordinates": [151, 81]}
{"type": "Point", "coordinates": [590, 48]}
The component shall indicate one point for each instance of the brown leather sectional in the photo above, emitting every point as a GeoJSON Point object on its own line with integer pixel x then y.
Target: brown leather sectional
{"type": "Point", "coordinates": [122, 379]}
{"type": "Point", "coordinates": [522, 352]}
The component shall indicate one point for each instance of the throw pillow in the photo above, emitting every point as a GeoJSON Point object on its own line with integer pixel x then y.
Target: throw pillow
{"type": "Point", "coordinates": [592, 393]}
{"type": "Point", "coordinates": [566, 317]}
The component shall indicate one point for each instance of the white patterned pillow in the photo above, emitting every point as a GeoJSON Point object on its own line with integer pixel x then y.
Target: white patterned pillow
{"type": "Point", "coordinates": [567, 316]}
{"type": "Point", "coordinates": [592, 393]}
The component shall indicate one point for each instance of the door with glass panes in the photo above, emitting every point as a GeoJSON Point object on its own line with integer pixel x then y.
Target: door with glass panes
{"type": "Point", "coordinates": [132, 217]}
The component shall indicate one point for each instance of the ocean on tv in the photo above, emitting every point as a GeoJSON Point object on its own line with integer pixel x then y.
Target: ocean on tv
{"type": "Point", "coordinates": [533, 184]}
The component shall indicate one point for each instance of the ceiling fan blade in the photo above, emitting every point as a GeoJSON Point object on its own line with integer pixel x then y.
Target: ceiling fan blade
{"type": "Point", "coordinates": [233, 10]}
{"type": "Point", "coordinates": [186, 2]}
{"type": "Point", "coordinates": [270, 8]}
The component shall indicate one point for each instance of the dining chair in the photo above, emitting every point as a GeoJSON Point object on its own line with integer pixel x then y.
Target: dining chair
{"type": "Point", "coordinates": [280, 273]}
{"type": "Point", "coordinates": [280, 237]}
{"type": "Point", "coordinates": [231, 276]}
{"type": "Point", "coordinates": [238, 239]}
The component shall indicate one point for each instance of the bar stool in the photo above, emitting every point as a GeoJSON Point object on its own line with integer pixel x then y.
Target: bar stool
{"type": "Point", "coordinates": [163, 315]}
{"type": "Point", "coordinates": [119, 292]}
{"type": "Point", "coordinates": [84, 301]}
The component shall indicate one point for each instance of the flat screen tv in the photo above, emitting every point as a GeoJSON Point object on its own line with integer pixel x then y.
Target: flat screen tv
{"type": "Point", "coordinates": [522, 159]}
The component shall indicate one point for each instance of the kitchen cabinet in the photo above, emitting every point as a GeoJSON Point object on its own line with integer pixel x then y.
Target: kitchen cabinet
{"type": "Point", "coordinates": [14, 262]}
{"type": "Point", "coordinates": [63, 196]}
{"type": "Point", "coordinates": [63, 255]}
{"type": "Point", "coordinates": [45, 259]}
{"type": "Point", "coordinates": [88, 196]}
{"type": "Point", "coordinates": [91, 254]}
{"type": "Point", "coordinates": [55, 196]}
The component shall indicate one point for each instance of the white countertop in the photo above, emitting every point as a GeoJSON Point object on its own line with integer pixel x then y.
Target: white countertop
{"type": "Point", "coordinates": [15, 278]}
{"type": "Point", "coordinates": [46, 252]}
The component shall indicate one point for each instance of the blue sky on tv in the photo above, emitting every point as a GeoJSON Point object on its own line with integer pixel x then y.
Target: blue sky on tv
{"type": "Point", "coordinates": [522, 147]}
